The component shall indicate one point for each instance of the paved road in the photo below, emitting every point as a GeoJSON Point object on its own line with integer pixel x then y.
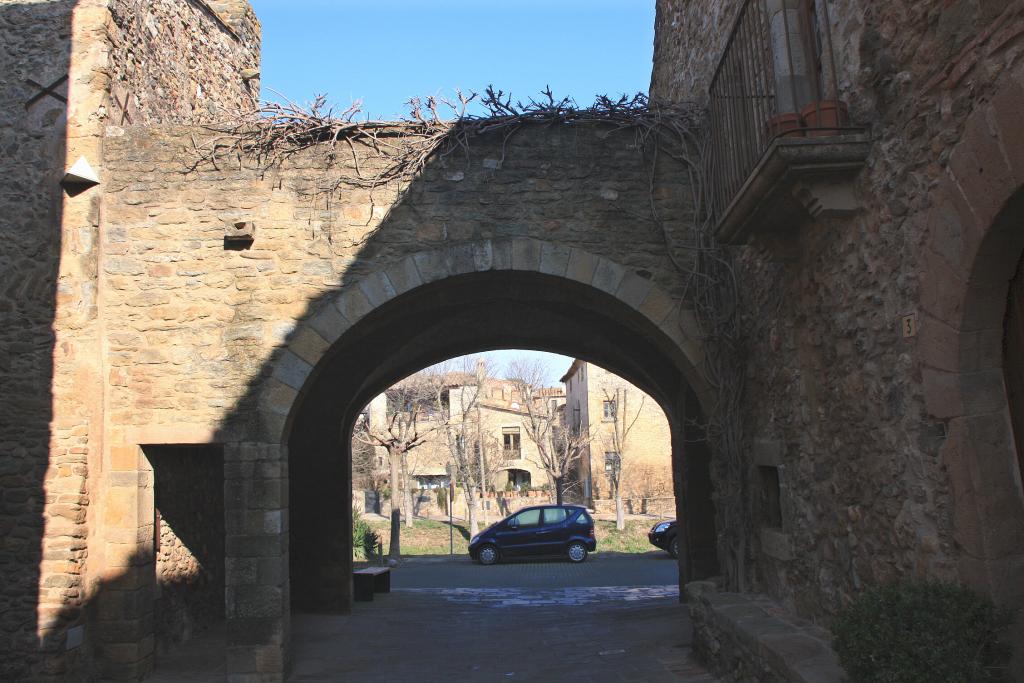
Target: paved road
{"type": "Point", "coordinates": [613, 618]}
{"type": "Point", "coordinates": [600, 569]}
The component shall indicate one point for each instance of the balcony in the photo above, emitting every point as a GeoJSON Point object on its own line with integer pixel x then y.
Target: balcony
{"type": "Point", "coordinates": [782, 144]}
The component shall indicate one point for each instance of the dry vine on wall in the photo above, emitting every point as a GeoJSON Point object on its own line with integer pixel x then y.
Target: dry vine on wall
{"type": "Point", "coordinates": [379, 154]}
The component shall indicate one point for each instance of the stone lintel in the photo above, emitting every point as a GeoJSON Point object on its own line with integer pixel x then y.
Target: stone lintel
{"type": "Point", "coordinates": [172, 434]}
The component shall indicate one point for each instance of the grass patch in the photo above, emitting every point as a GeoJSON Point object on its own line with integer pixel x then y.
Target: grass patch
{"type": "Point", "coordinates": [426, 537]}
{"type": "Point", "coordinates": [430, 537]}
{"type": "Point", "coordinates": [632, 539]}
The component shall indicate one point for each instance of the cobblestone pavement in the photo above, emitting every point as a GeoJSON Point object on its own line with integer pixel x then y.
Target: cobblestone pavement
{"type": "Point", "coordinates": [599, 621]}
{"type": "Point", "coordinates": [612, 618]}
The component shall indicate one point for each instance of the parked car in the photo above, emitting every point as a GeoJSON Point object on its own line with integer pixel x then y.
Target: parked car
{"type": "Point", "coordinates": [663, 535]}
{"type": "Point", "coordinates": [543, 530]}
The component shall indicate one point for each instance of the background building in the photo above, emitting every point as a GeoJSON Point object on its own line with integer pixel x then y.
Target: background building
{"type": "Point", "coordinates": [594, 400]}
{"type": "Point", "coordinates": [513, 467]}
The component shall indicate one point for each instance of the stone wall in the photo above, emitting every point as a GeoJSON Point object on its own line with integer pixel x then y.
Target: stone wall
{"type": "Point", "coordinates": [192, 324]}
{"type": "Point", "coordinates": [56, 60]}
{"type": "Point", "coordinates": [35, 54]}
{"type": "Point", "coordinates": [180, 61]}
{"type": "Point", "coordinates": [208, 341]}
{"type": "Point", "coordinates": [837, 396]}
{"type": "Point", "coordinates": [647, 463]}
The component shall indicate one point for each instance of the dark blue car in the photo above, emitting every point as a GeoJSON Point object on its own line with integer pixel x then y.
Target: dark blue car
{"type": "Point", "coordinates": [544, 530]}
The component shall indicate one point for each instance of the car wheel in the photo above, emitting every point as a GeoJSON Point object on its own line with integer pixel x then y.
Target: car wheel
{"type": "Point", "coordinates": [576, 551]}
{"type": "Point", "coordinates": [487, 554]}
{"type": "Point", "coordinates": [673, 547]}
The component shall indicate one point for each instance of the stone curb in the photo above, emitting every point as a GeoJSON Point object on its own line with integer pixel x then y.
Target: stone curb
{"type": "Point", "coordinates": [750, 637]}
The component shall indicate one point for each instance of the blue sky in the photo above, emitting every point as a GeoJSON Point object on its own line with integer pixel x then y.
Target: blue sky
{"type": "Point", "coordinates": [385, 51]}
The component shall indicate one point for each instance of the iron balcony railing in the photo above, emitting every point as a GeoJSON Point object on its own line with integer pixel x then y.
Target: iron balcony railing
{"type": "Point", "coordinates": [776, 77]}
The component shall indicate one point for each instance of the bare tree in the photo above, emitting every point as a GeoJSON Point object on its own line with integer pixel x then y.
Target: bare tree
{"type": "Point", "coordinates": [402, 428]}
{"type": "Point", "coordinates": [558, 446]}
{"type": "Point", "coordinates": [366, 472]}
{"type": "Point", "coordinates": [617, 443]}
{"type": "Point", "coordinates": [458, 396]}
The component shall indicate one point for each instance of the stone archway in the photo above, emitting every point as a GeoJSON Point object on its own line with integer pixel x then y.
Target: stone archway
{"type": "Point", "coordinates": [976, 242]}
{"type": "Point", "coordinates": [310, 342]}
{"type": "Point", "coordinates": [404, 316]}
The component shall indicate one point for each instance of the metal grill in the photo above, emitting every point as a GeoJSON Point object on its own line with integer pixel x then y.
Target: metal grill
{"type": "Point", "coordinates": [777, 77]}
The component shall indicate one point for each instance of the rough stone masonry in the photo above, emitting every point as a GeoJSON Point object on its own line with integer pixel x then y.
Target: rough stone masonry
{"type": "Point", "coordinates": [131, 323]}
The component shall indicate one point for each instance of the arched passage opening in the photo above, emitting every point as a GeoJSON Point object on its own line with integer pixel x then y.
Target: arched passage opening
{"type": "Point", "coordinates": [976, 345]}
{"type": "Point", "coordinates": [454, 316]}
{"type": "Point", "coordinates": [987, 477]}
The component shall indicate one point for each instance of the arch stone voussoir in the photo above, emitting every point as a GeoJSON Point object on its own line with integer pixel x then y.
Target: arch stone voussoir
{"type": "Point", "coordinates": [681, 327]}
{"type": "Point", "coordinates": [633, 289]}
{"type": "Point", "coordinates": [608, 276]}
{"type": "Point", "coordinates": [377, 288]}
{"type": "Point", "coordinates": [432, 266]}
{"type": "Point", "coordinates": [526, 255]}
{"type": "Point", "coordinates": [309, 345]}
{"type": "Point", "coordinates": [461, 259]}
{"type": "Point", "coordinates": [483, 255]}
{"type": "Point", "coordinates": [313, 338]}
{"type": "Point", "coordinates": [404, 275]}
{"type": "Point", "coordinates": [353, 304]}
{"type": "Point", "coordinates": [554, 259]}
{"type": "Point", "coordinates": [980, 167]}
{"type": "Point", "coordinates": [582, 265]}
{"type": "Point", "coordinates": [329, 323]}
{"type": "Point", "coordinates": [657, 305]}
{"type": "Point", "coordinates": [292, 370]}
{"type": "Point", "coordinates": [276, 402]}
{"type": "Point", "coordinates": [501, 255]}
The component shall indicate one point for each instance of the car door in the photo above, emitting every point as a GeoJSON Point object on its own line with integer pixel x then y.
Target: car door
{"type": "Point", "coordinates": [519, 537]}
{"type": "Point", "coordinates": [554, 531]}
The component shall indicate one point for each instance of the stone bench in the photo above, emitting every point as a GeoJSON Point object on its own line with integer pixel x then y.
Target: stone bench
{"type": "Point", "coordinates": [744, 637]}
{"type": "Point", "coordinates": [370, 580]}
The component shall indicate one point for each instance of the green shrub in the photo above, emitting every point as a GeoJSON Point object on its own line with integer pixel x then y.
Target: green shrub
{"type": "Point", "coordinates": [364, 538]}
{"type": "Point", "coordinates": [921, 632]}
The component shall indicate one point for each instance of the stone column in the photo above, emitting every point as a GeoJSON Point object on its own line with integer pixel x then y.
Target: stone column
{"type": "Point", "coordinates": [124, 600]}
{"type": "Point", "coordinates": [256, 562]}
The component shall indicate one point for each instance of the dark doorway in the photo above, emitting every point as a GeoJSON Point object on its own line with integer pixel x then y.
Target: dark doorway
{"type": "Point", "coordinates": [188, 484]}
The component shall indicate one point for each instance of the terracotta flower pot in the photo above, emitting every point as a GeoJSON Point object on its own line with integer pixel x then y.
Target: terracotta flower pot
{"type": "Point", "coordinates": [824, 117]}
{"type": "Point", "coordinates": [784, 125]}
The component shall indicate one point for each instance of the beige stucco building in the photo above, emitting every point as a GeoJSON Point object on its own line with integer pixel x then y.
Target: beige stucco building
{"type": "Point", "coordinates": [511, 459]}
{"type": "Point", "coordinates": [595, 400]}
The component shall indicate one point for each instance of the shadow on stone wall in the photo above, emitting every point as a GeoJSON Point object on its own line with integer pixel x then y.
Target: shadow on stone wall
{"type": "Point", "coordinates": [461, 314]}
{"type": "Point", "coordinates": [34, 62]}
